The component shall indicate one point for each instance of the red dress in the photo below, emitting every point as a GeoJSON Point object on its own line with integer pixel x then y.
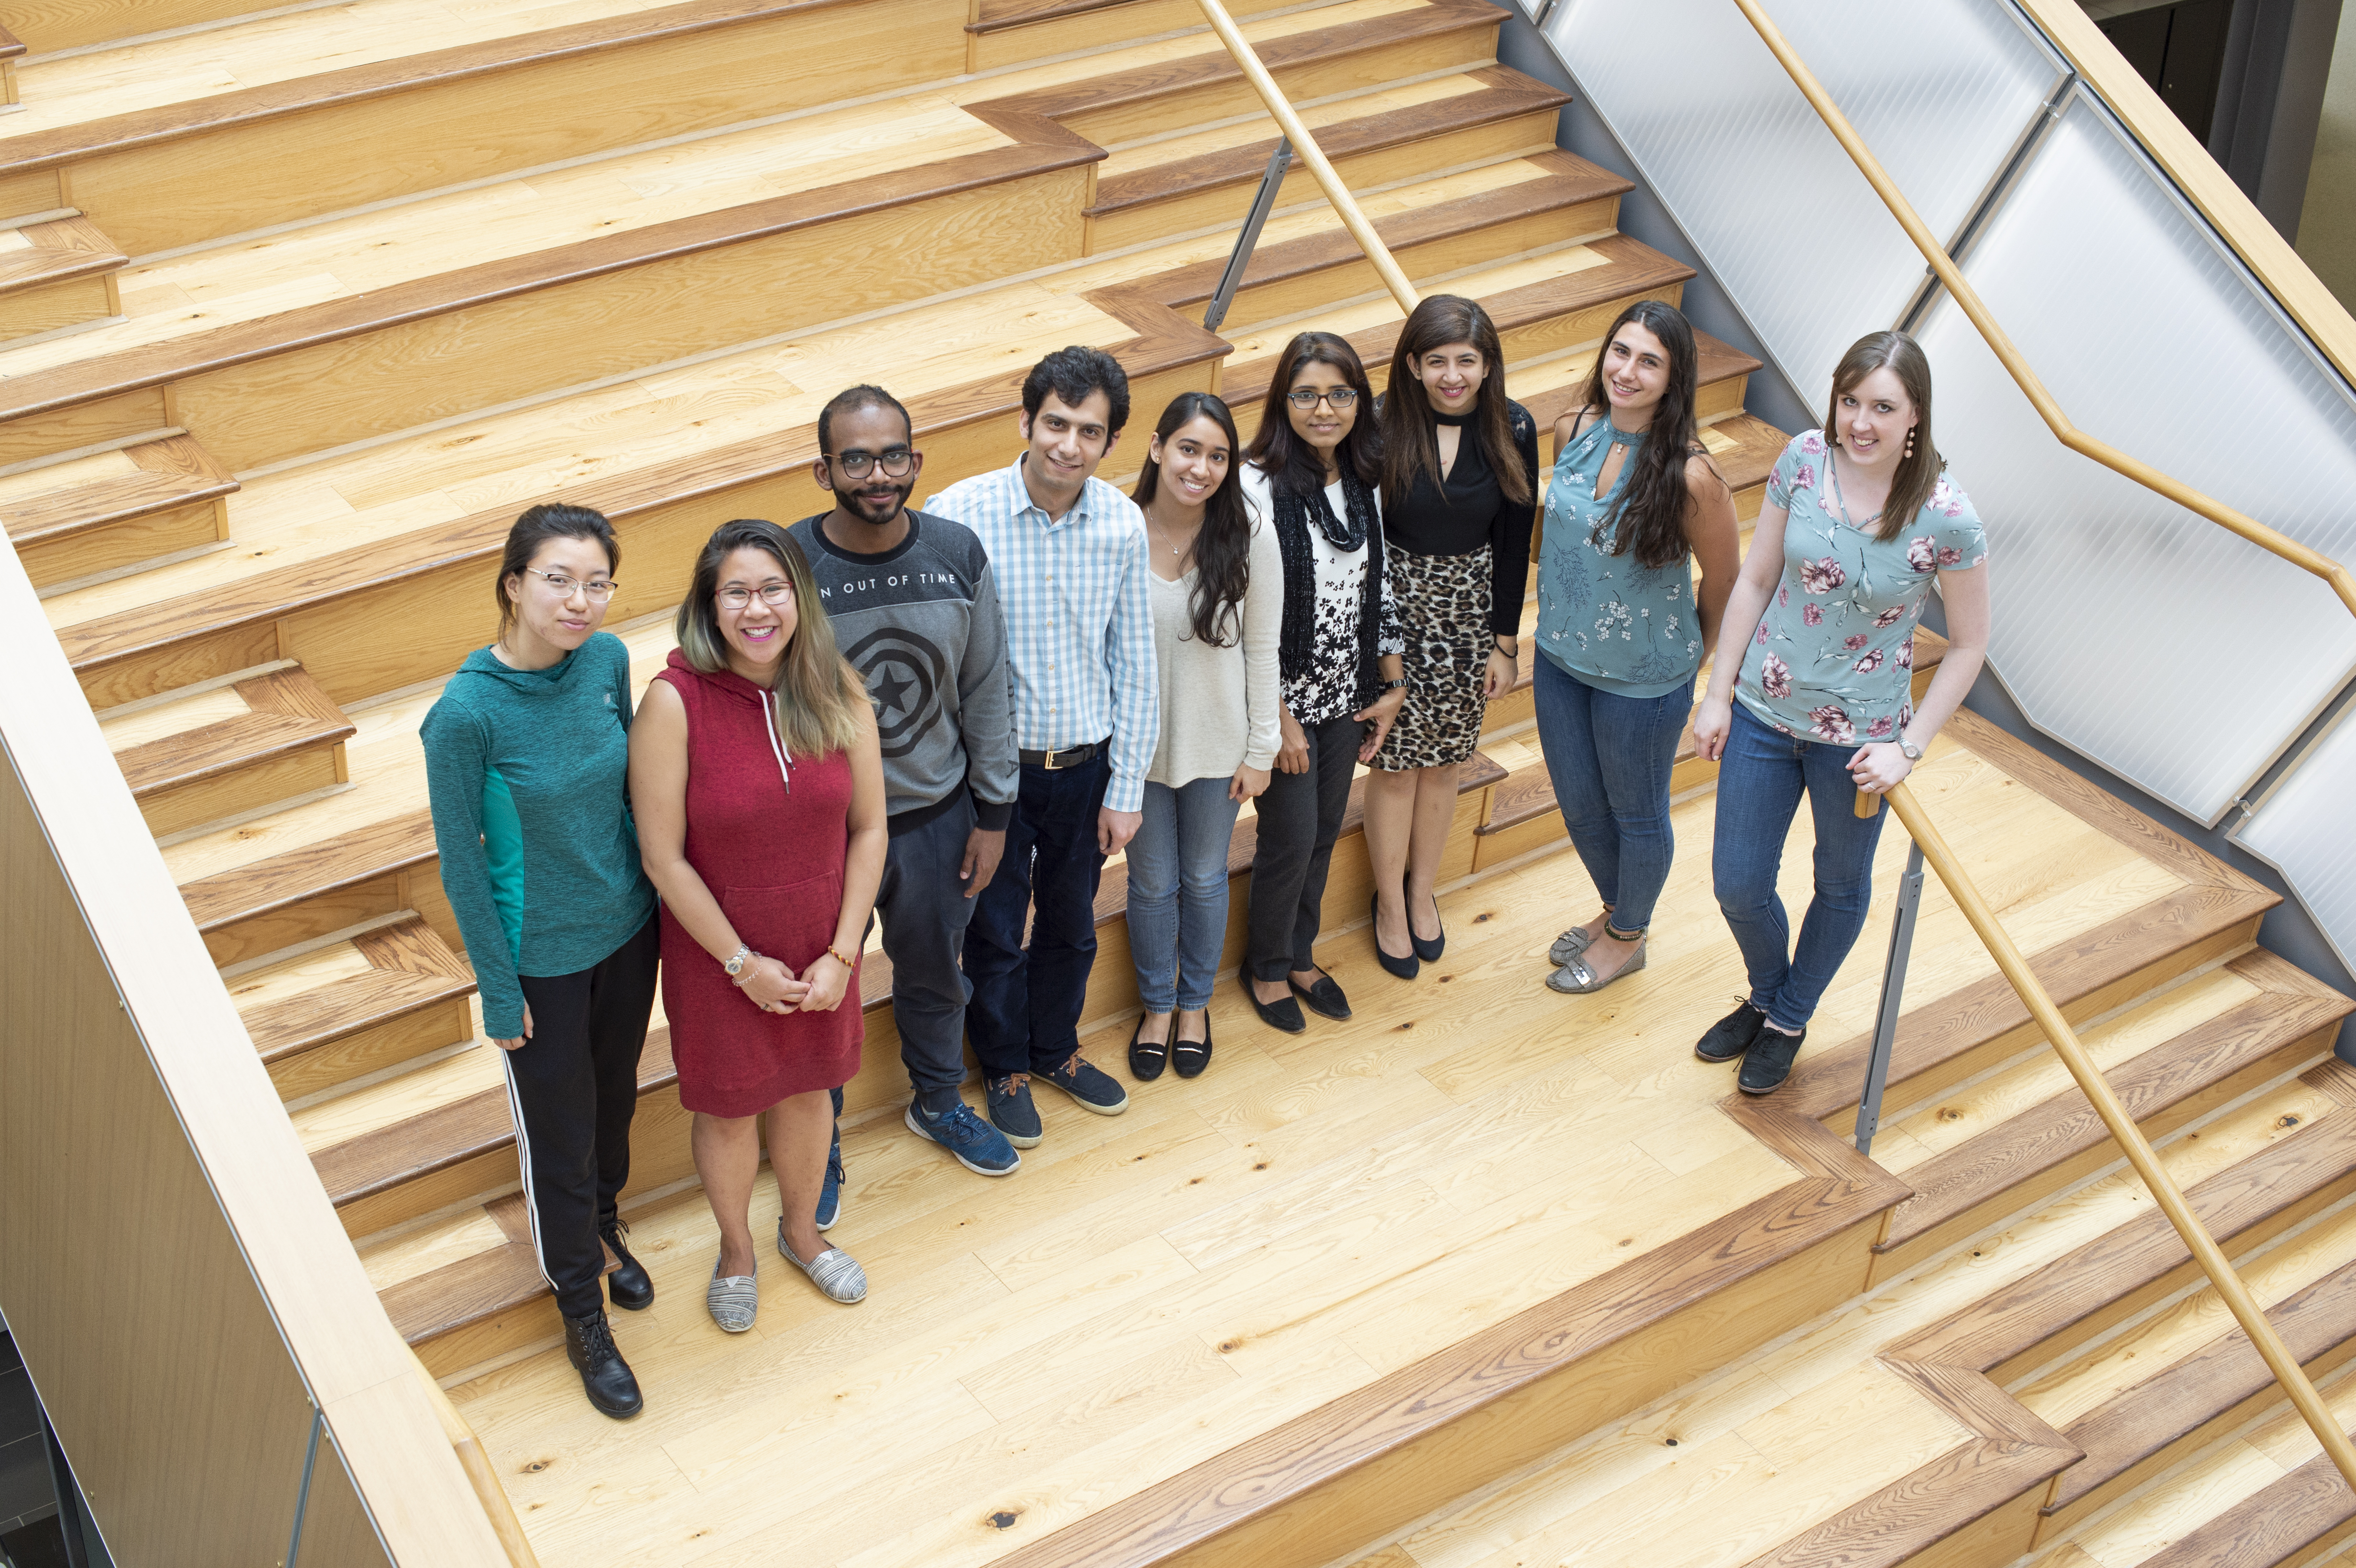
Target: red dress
{"type": "Point", "coordinates": [772, 857]}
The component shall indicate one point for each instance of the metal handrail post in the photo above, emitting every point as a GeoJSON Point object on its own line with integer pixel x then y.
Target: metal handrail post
{"type": "Point", "coordinates": [1240, 257]}
{"type": "Point", "coordinates": [1893, 991]}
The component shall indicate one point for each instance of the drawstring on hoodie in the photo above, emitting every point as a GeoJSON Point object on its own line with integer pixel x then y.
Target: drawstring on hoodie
{"type": "Point", "coordinates": [777, 747]}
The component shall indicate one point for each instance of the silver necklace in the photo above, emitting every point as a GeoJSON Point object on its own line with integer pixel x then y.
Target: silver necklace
{"type": "Point", "coordinates": [1176, 552]}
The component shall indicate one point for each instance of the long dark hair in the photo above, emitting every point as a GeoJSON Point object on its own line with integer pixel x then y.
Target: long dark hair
{"type": "Point", "coordinates": [1223, 549]}
{"type": "Point", "coordinates": [1290, 462]}
{"type": "Point", "coordinates": [1916, 477]}
{"type": "Point", "coordinates": [818, 694]}
{"type": "Point", "coordinates": [1410, 441]}
{"type": "Point", "coordinates": [549, 520]}
{"type": "Point", "coordinates": [1650, 515]}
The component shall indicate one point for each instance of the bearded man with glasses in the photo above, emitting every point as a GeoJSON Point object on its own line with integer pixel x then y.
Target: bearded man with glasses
{"type": "Point", "coordinates": [916, 611]}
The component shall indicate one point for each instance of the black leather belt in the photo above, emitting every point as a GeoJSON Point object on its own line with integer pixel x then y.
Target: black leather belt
{"type": "Point", "coordinates": [1069, 757]}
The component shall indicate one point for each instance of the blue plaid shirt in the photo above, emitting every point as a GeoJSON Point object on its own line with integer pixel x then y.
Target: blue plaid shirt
{"type": "Point", "coordinates": [1079, 623]}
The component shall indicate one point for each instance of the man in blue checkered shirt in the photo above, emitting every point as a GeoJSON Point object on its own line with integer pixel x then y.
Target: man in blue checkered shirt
{"type": "Point", "coordinates": [1068, 554]}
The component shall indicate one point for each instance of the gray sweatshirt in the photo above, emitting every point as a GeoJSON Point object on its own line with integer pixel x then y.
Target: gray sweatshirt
{"type": "Point", "coordinates": [922, 624]}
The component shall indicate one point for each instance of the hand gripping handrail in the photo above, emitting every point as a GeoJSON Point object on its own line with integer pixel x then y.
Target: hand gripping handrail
{"type": "Point", "coordinates": [2129, 1138]}
{"type": "Point", "coordinates": [2338, 576]}
{"type": "Point", "coordinates": [477, 1463]}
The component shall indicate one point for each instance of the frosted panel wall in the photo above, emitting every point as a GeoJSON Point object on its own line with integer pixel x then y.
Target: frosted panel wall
{"type": "Point", "coordinates": [1777, 209]}
{"type": "Point", "coordinates": [2304, 831]}
{"type": "Point", "coordinates": [2145, 635]}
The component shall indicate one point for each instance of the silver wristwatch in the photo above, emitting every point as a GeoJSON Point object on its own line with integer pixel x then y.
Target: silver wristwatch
{"type": "Point", "coordinates": [1913, 751]}
{"type": "Point", "coordinates": [735, 965]}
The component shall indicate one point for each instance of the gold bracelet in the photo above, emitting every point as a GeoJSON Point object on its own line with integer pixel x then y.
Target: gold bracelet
{"type": "Point", "coordinates": [838, 958]}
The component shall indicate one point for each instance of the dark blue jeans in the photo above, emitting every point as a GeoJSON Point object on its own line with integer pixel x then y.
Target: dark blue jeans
{"type": "Point", "coordinates": [1609, 758]}
{"type": "Point", "coordinates": [1025, 1012]}
{"type": "Point", "coordinates": [1760, 781]}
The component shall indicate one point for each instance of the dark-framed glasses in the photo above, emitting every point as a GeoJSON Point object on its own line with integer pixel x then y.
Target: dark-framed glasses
{"type": "Point", "coordinates": [600, 589]}
{"type": "Point", "coordinates": [896, 463]}
{"type": "Point", "coordinates": [1304, 399]}
{"type": "Point", "coordinates": [772, 594]}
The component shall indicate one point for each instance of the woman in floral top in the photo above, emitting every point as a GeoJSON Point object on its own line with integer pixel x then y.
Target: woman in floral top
{"type": "Point", "coordinates": [1857, 526]}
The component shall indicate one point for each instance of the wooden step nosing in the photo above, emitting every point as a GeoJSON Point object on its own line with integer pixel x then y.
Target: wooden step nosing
{"type": "Point", "coordinates": [427, 993]}
{"type": "Point", "coordinates": [254, 739]}
{"type": "Point", "coordinates": [64, 266]}
{"type": "Point", "coordinates": [121, 512]}
{"type": "Point", "coordinates": [2266, 1527]}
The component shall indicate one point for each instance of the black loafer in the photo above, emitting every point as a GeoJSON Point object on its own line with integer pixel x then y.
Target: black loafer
{"type": "Point", "coordinates": [1732, 1035]}
{"type": "Point", "coordinates": [1148, 1058]}
{"type": "Point", "coordinates": [1768, 1061]}
{"type": "Point", "coordinates": [629, 1286]}
{"type": "Point", "coordinates": [1284, 1013]}
{"type": "Point", "coordinates": [1324, 998]}
{"type": "Point", "coordinates": [1405, 969]}
{"type": "Point", "coordinates": [1428, 952]}
{"type": "Point", "coordinates": [1189, 1057]}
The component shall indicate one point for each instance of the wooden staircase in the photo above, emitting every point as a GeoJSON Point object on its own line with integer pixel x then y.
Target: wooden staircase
{"type": "Point", "coordinates": [269, 402]}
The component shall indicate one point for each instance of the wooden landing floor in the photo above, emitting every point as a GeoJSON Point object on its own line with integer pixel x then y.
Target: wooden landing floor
{"type": "Point", "coordinates": [1313, 1213]}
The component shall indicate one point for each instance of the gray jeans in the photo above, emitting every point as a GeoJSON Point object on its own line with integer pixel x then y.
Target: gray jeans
{"type": "Point", "coordinates": [924, 910]}
{"type": "Point", "coordinates": [1300, 816]}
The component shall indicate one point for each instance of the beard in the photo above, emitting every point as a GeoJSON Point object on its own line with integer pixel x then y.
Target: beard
{"type": "Point", "coordinates": [877, 513]}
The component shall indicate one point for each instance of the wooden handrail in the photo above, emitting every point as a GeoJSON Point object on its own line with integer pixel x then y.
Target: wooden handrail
{"type": "Point", "coordinates": [1378, 255]}
{"type": "Point", "coordinates": [2336, 575]}
{"type": "Point", "coordinates": [2123, 1129]}
{"type": "Point", "coordinates": [477, 1463]}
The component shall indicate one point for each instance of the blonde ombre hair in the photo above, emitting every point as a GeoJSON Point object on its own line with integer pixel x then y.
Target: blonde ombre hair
{"type": "Point", "coordinates": [818, 695]}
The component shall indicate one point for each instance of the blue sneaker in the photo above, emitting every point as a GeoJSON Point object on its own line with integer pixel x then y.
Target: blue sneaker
{"type": "Point", "coordinates": [1091, 1087]}
{"type": "Point", "coordinates": [1011, 1111]}
{"type": "Point", "coordinates": [979, 1146]}
{"type": "Point", "coordinates": [830, 1197]}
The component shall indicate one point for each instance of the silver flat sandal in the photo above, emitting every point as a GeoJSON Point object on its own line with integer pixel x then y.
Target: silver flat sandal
{"type": "Point", "coordinates": [732, 1298]}
{"type": "Point", "coordinates": [1576, 979]}
{"type": "Point", "coordinates": [835, 1272]}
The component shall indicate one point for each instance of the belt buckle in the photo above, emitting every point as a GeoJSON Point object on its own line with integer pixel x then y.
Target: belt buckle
{"type": "Point", "coordinates": [1048, 762]}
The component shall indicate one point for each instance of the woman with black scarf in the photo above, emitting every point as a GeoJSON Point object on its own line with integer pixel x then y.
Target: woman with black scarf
{"type": "Point", "coordinates": [1314, 469]}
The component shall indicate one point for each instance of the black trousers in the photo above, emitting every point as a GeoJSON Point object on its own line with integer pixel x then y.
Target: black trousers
{"type": "Point", "coordinates": [573, 1087]}
{"type": "Point", "coordinates": [1299, 817]}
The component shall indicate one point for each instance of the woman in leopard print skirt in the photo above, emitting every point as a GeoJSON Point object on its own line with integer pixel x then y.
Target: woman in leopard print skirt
{"type": "Point", "coordinates": [1459, 493]}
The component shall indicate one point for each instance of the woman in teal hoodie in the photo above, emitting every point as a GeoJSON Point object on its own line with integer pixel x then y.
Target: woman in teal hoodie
{"type": "Point", "coordinates": [527, 759]}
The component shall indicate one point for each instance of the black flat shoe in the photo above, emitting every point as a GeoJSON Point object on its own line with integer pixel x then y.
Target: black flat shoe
{"type": "Point", "coordinates": [1189, 1057]}
{"type": "Point", "coordinates": [1731, 1036]}
{"type": "Point", "coordinates": [1428, 952]}
{"type": "Point", "coordinates": [1405, 969]}
{"type": "Point", "coordinates": [1324, 998]}
{"type": "Point", "coordinates": [1284, 1013]}
{"type": "Point", "coordinates": [1769, 1060]}
{"type": "Point", "coordinates": [1147, 1057]}
{"type": "Point", "coordinates": [629, 1286]}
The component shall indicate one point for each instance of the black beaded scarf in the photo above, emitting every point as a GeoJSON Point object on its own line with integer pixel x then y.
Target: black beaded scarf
{"type": "Point", "coordinates": [1358, 529]}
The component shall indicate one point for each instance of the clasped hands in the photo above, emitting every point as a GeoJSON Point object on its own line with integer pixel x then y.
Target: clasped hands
{"type": "Point", "coordinates": [771, 985]}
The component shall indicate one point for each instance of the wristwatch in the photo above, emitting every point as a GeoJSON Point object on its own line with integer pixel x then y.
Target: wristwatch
{"type": "Point", "coordinates": [1913, 753]}
{"type": "Point", "coordinates": [1391, 686]}
{"type": "Point", "coordinates": [735, 965]}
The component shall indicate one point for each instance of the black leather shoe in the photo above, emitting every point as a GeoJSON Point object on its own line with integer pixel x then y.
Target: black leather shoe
{"type": "Point", "coordinates": [1732, 1035]}
{"type": "Point", "coordinates": [1189, 1057]}
{"type": "Point", "coordinates": [629, 1286]}
{"type": "Point", "coordinates": [1405, 969]}
{"type": "Point", "coordinates": [1147, 1057]}
{"type": "Point", "coordinates": [1283, 1013]}
{"type": "Point", "coordinates": [604, 1376]}
{"type": "Point", "coordinates": [1768, 1061]}
{"type": "Point", "coordinates": [1428, 952]}
{"type": "Point", "coordinates": [1324, 998]}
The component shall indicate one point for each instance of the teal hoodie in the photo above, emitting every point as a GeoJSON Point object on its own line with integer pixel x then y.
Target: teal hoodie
{"type": "Point", "coordinates": [529, 773]}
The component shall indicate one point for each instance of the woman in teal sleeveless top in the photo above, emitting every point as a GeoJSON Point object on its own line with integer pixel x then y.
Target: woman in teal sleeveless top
{"type": "Point", "coordinates": [1621, 627]}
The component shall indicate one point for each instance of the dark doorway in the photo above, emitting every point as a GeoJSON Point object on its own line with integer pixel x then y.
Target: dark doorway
{"type": "Point", "coordinates": [2180, 50]}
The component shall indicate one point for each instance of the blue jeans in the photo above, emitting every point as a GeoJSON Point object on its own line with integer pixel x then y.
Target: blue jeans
{"type": "Point", "coordinates": [1025, 1012]}
{"type": "Point", "coordinates": [1178, 892]}
{"type": "Point", "coordinates": [1760, 781]}
{"type": "Point", "coordinates": [1609, 757]}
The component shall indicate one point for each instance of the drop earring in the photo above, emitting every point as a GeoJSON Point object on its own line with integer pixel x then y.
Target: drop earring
{"type": "Point", "coordinates": [1910, 441]}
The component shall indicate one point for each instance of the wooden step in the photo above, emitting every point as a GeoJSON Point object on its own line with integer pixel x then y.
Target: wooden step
{"type": "Point", "coordinates": [227, 748]}
{"type": "Point", "coordinates": [2006, 1141]}
{"type": "Point", "coordinates": [356, 1007]}
{"type": "Point", "coordinates": [1002, 32]}
{"type": "Point", "coordinates": [50, 25]}
{"type": "Point", "coordinates": [1491, 113]}
{"type": "Point", "coordinates": [2298, 1519]}
{"type": "Point", "coordinates": [160, 162]}
{"type": "Point", "coordinates": [57, 274]}
{"type": "Point", "coordinates": [95, 516]}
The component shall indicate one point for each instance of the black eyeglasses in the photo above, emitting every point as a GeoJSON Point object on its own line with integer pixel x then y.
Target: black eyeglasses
{"type": "Point", "coordinates": [898, 464]}
{"type": "Point", "coordinates": [1304, 399]}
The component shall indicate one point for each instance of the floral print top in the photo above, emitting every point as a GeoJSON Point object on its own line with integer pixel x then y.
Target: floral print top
{"type": "Point", "coordinates": [1834, 655]}
{"type": "Point", "coordinates": [1621, 627]}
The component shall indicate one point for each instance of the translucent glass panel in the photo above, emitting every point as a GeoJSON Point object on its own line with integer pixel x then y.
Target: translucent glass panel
{"type": "Point", "coordinates": [2142, 634]}
{"type": "Point", "coordinates": [1774, 207]}
{"type": "Point", "coordinates": [2303, 831]}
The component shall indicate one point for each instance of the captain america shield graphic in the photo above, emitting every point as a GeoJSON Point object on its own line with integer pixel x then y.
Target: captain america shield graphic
{"type": "Point", "coordinates": [905, 677]}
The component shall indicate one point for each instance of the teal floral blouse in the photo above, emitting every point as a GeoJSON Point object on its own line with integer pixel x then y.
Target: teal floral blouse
{"type": "Point", "coordinates": [1621, 628]}
{"type": "Point", "coordinates": [1834, 656]}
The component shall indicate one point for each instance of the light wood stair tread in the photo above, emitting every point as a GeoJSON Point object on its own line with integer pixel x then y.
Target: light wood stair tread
{"type": "Point", "coordinates": [54, 251]}
{"type": "Point", "coordinates": [287, 712]}
{"type": "Point", "coordinates": [170, 472]}
{"type": "Point", "coordinates": [409, 968]}
{"type": "Point", "coordinates": [2269, 1527]}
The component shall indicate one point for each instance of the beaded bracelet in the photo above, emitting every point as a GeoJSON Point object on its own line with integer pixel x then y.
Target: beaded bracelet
{"type": "Point", "coordinates": [838, 958]}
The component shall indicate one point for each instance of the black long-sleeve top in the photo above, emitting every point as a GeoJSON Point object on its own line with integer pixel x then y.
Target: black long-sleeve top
{"type": "Point", "coordinates": [1460, 514]}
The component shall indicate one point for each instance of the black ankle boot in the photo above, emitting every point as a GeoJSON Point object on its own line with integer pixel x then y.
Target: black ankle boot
{"type": "Point", "coordinates": [629, 1286]}
{"type": "Point", "coordinates": [604, 1376]}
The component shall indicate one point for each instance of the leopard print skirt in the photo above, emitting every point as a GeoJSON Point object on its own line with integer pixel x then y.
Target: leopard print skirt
{"type": "Point", "coordinates": [1443, 610]}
